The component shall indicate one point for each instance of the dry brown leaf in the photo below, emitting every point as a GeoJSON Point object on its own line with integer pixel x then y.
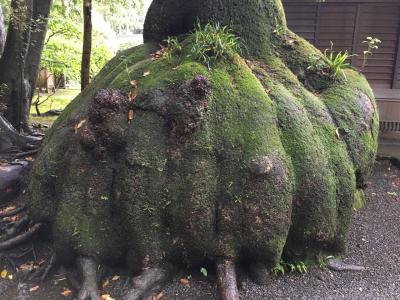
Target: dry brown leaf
{"type": "Point", "coordinates": [176, 68]}
{"type": "Point", "coordinates": [107, 297]}
{"type": "Point", "coordinates": [133, 93]}
{"type": "Point", "coordinates": [159, 296]}
{"type": "Point", "coordinates": [26, 267]}
{"type": "Point", "coordinates": [115, 277]}
{"type": "Point", "coordinates": [131, 115]}
{"type": "Point", "coordinates": [66, 292]}
{"type": "Point", "coordinates": [338, 133]}
{"type": "Point", "coordinates": [184, 281]}
{"type": "Point", "coordinates": [147, 73]}
{"type": "Point", "coordinates": [34, 289]}
{"type": "Point", "coordinates": [106, 283]}
{"type": "Point", "coordinates": [268, 91]}
{"type": "Point", "coordinates": [79, 125]}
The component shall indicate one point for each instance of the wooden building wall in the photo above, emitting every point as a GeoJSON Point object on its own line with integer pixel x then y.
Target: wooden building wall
{"type": "Point", "coordinates": [347, 23]}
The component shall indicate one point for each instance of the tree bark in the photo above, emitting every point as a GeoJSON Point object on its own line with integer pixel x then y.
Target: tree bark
{"type": "Point", "coordinates": [252, 20]}
{"type": "Point", "coordinates": [2, 32]}
{"type": "Point", "coordinates": [87, 43]}
{"type": "Point", "coordinates": [40, 16]}
{"type": "Point", "coordinates": [9, 137]}
{"type": "Point", "coordinates": [12, 63]}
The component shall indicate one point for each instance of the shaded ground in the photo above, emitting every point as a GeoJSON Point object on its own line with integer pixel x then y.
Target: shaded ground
{"type": "Point", "coordinates": [373, 242]}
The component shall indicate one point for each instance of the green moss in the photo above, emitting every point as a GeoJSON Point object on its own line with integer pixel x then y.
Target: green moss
{"type": "Point", "coordinates": [359, 200]}
{"type": "Point", "coordinates": [262, 166]}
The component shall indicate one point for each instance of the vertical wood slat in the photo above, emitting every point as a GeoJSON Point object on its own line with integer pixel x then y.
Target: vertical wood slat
{"type": "Point", "coordinates": [317, 22]}
{"type": "Point", "coordinates": [356, 34]}
{"type": "Point", "coordinates": [396, 72]}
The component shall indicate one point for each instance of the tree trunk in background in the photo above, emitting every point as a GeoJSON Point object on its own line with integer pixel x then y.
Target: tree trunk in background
{"type": "Point", "coordinates": [87, 43]}
{"type": "Point", "coordinates": [12, 63]}
{"type": "Point", "coordinates": [2, 32]}
{"type": "Point", "coordinates": [252, 20]}
{"type": "Point", "coordinates": [41, 12]}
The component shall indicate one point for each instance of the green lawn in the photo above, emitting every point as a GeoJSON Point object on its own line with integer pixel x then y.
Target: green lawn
{"type": "Point", "coordinates": [57, 101]}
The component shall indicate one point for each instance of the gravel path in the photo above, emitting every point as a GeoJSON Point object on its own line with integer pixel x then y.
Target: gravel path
{"type": "Point", "coordinates": [374, 243]}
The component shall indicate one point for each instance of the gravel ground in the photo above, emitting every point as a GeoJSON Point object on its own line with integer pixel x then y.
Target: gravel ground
{"type": "Point", "coordinates": [373, 243]}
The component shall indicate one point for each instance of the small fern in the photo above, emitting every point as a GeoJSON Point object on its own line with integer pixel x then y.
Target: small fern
{"type": "Point", "coordinates": [213, 42]}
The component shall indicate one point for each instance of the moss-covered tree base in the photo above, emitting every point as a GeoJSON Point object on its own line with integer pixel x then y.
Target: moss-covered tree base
{"type": "Point", "coordinates": [252, 160]}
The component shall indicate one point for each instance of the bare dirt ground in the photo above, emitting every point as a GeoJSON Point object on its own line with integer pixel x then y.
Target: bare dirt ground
{"type": "Point", "coordinates": [374, 242]}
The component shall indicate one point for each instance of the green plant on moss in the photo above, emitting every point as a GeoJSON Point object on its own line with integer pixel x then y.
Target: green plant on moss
{"type": "Point", "coordinates": [284, 267]}
{"type": "Point", "coordinates": [204, 272]}
{"type": "Point", "coordinates": [323, 261]}
{"type": "Point", "coordinates": [279, 29]}
{"type": "Point", "coordinates": [373, 44]}
{"type": "Point", "coordinates": [213, 42]}
{"type": "Point", "coordinates": [279, 269]}
{"type": "Point", "coordinates": [330, 63]}
{"type": "Point", "coordinates": [172, 46]}
{"type": "Point", "coordinates": [336, 63]}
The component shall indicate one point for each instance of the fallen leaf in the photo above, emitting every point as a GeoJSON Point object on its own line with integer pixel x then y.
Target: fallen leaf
{"type": "Point", "coordinates": [116, 277]}
{"type": "Point", "coordinates": [3, 274]}
{"type": "Point", "coordinates": [337, 133]}
{"type": "Point", "coordinates": [176, 68]}
{"type": "Point", "coordinates": [268, 91]}
{"type": "Point", "coordinates": [106, 283]}
{"type": "Point", "coordinates": [26, 267]}
{"type": "Point", "coordinates": [66, 292]}
{"type": "Point", "coordinates": [34, 289]}
{"type": "Point", "coordinates": [79, 125]}
{"type": "Point", "coordinates": [107, 297]}
{"type": "Point", "coordinates": [159, 296]}
{"type": "Point", "coordinates": [147, 73]}
{"type": "Point", "coordinates": [133, 93]}
{"type": "Point", "coordinates": [131, 114]}
{"type": "Point", "coordinates": [184, 281]}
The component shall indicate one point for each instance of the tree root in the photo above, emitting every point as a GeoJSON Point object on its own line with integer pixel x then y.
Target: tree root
{"type": "Point", "coordinates": [27, 153]}
{"type": "Point", "coordinates": [226, 280]}
{"type": "Point", "coordinates": [148, 280]}
{"type": "Point", "coordinates": [17, 227]}
{"type": "Point", "coordinates": [44, 270]}
{"type": "Point", "coordinates": [336, 264]}
{"type": "Point", "coordinates": [13, 242]}
{"type": "Point", "coordinates": [88, 268]}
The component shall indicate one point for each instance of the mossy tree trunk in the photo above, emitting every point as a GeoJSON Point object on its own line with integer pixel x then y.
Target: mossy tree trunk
{"type": "Point", "coordinates": [252, 160]}
{"type": "Point", "coordinates": [252, 20]}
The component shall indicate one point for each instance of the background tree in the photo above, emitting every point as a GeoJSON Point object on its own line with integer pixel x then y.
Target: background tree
{"type": "Point", "coordinates": [87, 43]}
{"type": "Point", "coordinates": [2, 31]}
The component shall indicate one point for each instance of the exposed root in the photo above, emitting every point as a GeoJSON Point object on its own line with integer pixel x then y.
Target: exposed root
{"type": "Point", "coordinates": [44, 270]}
{"type": "Point", "coordinates": [226, 280]}
{"type": "Point", "coordinates": [13, 242]}
{"type": "Point", "coordinates": [27, 153]}
{"type": "Point", "coordinates": [336, 264]}
{"type": "Point", "coordinates": [152, 278]}
{"type": "Point", "coordinates": [17, 227]}
{"type": "Point", "coordinates": [88, 269]}
{"type": "Point", "coordinates": [259, 273]}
